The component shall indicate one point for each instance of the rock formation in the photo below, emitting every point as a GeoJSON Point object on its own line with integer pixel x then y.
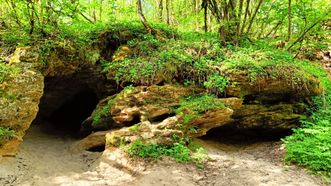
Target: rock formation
{"type": "Point", "coordinates": [20, 97]}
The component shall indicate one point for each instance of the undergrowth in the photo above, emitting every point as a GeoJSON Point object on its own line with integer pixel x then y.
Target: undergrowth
{"type": "Point", "coordinates": [6, 134]}
{"type": "Point", "coordinates": [204, 63]}
{"type": "Point", "coordinates": [181, 152]}
{"type": "Point", "coordinates": [102, 112]}
{"type": "Point", "coordinates": [310, 145]}
{"type": "Point", "coordinates": [194, 106]}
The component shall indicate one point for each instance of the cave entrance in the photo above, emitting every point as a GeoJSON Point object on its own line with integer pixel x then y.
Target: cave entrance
{"type": "Point", "coordinates": [72, 113]}
{"type": "Point", "coordinates": [230, 135]}
{"type": "Point", "coordinates": [65, 119]}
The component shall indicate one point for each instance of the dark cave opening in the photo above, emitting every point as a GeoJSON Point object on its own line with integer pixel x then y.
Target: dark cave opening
{"type": "Point", "coordinates": [232, 135]}
{"type": "Point", "coordinates": [72, 113]}
{"type": "Point", "coordinates": [97, 148]}
{"type": "Point", "coordinates": [67, 117]}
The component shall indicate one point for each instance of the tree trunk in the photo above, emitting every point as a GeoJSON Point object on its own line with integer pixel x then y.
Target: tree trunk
{"type": "Point", "coordinates": [289, 29]}
{"type": "Point", "coordinates": [142, 18]}
{"type": "Point", "coordinates": [100, 10]}
{"type": "Point", "coordinates": [241, 3]}
{"type": "Point", "coordinates": [205, 13]}
{"type": "Point", "coordinates": [253, 17]}
{"type": "Point", "coordinates": [30, 8]}
{"type": "Point", "coordinates": [161, 10]}
{"type": "Point", "coordinates": [301, 37]}
{"type": "Point", "coordinates": [196, 10]}
{"type": "Point", "coordinates": [167, 12]}
{"type": "Point", "coordinates": [245, 17]}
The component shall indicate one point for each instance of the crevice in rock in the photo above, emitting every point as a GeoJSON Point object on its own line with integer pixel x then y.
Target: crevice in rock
{"type": "Point", "coordinates": [233, 135]}
{"type": "Point", "coordinates": [162, 117]}
{"type": "Point", "coordinates": [269, 99]}
{"type": "Point", "coordinates": [97, 148]}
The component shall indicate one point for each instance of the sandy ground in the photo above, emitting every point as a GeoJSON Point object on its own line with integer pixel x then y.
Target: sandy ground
{"type": "Point", "coordinates": [46, 159]}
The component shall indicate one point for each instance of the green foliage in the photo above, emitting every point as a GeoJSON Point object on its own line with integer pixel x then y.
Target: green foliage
{"type": "Point", "coordinates": [14, 37]}
{"type": "Point", "coordinates": [216, 82]}
{"type": "Point", "coordinates": [134, 128]}
{"type": "Point", "coordinates": [199, 104]}
{"type": "Point", "coordinates": [102, 112]}
{"type": "Point", "coordinates": [193, 107]}
{"type": "Point", "coordinates": [7, 71]}
{"type": "Point", "coordinates": [310, 145]}
{"type": "Point", "coordinates": [6, 134]}
{"type": "Point", "coordinates": [179, 151]}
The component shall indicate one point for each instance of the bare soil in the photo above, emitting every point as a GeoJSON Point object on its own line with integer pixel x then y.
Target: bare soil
{"type": "Point", "coordinates": [46, 159]}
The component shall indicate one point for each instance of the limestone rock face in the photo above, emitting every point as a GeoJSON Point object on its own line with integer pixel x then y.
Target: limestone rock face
{"type": "Point", "coordinates": [268, 87]}
{"type": "Point", "coordinates": [148, 114]}
{"type": "Point", "coordinates": [279, 116]}
{"type": "Point", "coordinates": [137, 104]}
{"type": "Point", "coordinates": [20, 95]}
{"type": "Point", "coordinates": [161, 133]}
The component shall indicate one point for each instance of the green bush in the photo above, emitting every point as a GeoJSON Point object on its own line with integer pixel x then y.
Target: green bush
{"type": "Point", "coordinates": [199, 104]}
{"type": "Point", "coordinates": [6, 134]}
{"type": "Point", "coordinates": [102, 112]}
{"type": "Point", "coordinates": [310, 145]}
{"type": "Point", "coordinates": [178, 151]}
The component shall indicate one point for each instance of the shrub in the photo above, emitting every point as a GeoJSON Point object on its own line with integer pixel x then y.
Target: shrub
{"type": "Point", "coordinates": [6, 134]}
{"type": "Point", "coordinates": [178, 151]}
{"type": "Point", "coordinates": [310, 145]}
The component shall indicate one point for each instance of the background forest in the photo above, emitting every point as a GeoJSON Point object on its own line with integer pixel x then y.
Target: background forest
{"type": "Point", "coordinates": [264, 32]}
{"type": "Point", "coordinates": [291, 21]}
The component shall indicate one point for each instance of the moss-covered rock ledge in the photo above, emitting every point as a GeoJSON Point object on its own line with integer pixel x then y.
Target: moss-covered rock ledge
{"type": "Point", "coordinates": [166, 114]}
{"type": "Point", "coordinates": [155, 91]}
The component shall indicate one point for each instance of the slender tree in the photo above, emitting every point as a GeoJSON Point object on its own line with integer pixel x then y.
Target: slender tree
{"type": "Point", "coordinates": [289, 29]}
{"type": "Point", "coordinates": [142, 18]}
{"type": "Point", "coordinates": [161, 10]}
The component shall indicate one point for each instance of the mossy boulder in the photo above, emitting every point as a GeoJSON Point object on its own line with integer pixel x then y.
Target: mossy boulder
{"type": "Point", "coordinates": [164, 114]}
{"type": "Point", "coordinates": [21, 89]}
{"type": "Point", "coordinates": [135, 104]}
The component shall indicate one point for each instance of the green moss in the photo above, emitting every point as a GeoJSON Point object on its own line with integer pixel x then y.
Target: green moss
{"type": "Point", "coordinates": [193, 107]}
{"type": "Point", "coordinates": [7, 71]}
{"type": "Point", "coordinates": [134, 128]}
{"type": "Point", "coordinates": [199, 104]}
{"type": "Point", "coordinates": [102, 112]}
{"type": "Point", "coordinates": [6, 134]}
{"type": "Point", "coordinates": [178, 151]}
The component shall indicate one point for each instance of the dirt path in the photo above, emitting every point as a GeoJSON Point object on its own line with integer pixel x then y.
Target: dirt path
{"type": "Point", "coordinates": [249, 165]}
{"type": "Point", "coordinates": [46, 159]}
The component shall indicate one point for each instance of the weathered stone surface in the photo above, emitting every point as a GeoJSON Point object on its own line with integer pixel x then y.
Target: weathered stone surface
{"type": "Point", "coordinates": [161, 133]}
{"type": "Point", "coordinates": [143, 104]}
{"type": "Point", "coordinates": [121, 53]}
{"type": "Point", "coordinates": [280, 116]}
{"type": "Point", "coordinates": [136, 105]}
{"type": "Point", "coordinates": [95, 139]}
{"type": "Point", "coordinates": [20, 99]}
{"type": "Point", "coordinates": [264, 86]}
{"type": "Point", "coordinates": [209, 120]}
{"type": "Point", "coordinates": [149, 111]}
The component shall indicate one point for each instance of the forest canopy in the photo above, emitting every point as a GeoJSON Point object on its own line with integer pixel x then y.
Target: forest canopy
{"type": "Point", "coordinates": [235, 21]}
